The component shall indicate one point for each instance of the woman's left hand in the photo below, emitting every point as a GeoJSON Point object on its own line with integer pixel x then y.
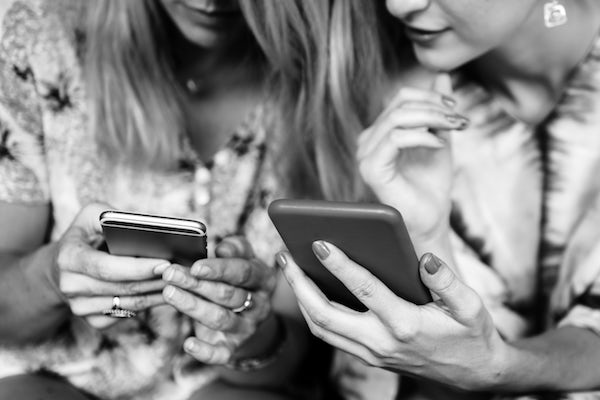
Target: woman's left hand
{"type": "Point", "coordinates": [452, 340]}
{"type": "Point", "coordinates": [215, 293]}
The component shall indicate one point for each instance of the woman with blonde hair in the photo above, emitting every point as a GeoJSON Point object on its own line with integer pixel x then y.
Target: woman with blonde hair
{"type": "Point", "coordinates": [157, 107]}
{"type": "Point", "coordinates": [494, 172]}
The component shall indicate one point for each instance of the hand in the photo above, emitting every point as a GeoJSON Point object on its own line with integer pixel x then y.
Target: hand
{"type": "Point", "coordinates": [405, 156]}
{"type": "Point", "coordinates": [89, 278]}
{"type": "Point", "coordinates": [452, 340]}
{"type": "Point", "coordinates": [211, 289]}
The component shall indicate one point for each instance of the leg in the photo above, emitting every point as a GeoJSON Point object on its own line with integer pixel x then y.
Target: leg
{"type": "Point", "coordinates": [38, 387]}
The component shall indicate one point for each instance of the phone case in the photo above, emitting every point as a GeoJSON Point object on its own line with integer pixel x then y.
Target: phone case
{"type": "Point", "coordinates": [372, 235]}
{"type": "Point", "coordinates": [182, 241]}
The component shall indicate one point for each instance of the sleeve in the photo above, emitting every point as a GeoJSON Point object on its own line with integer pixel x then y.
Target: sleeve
{"type": "Point", "coordinates": [23, 173]}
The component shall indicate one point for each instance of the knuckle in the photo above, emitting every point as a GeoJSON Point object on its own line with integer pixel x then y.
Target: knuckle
{"type": "Point", "coordinates": [139, 302]}
{"type": "Point", "coordinates": [364, 290]}
{"type": "Point", "coordinates": [132, 287]}
{"type": "Point", "coordinates": [320, 319]}
{"type": "Point", "coordinates": [246, 272]}
{"type": "Point", "coordinates": [226, 293]}
{"type": "Point", "coordinates": [220, 318]}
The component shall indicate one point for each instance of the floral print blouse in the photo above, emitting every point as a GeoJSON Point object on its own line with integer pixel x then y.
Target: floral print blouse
{"type": "Point", "coordinates": [47, 156]}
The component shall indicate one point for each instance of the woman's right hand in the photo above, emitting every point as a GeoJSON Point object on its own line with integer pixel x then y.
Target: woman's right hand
{"type": "Point", "coordinates": [405, 156]}
{"type": "Point", "coordinates": [89, 278]}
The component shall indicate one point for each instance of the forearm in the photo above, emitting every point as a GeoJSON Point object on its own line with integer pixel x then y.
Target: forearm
{"type": "Point", "coordinates": [288, 358]}
{"type": "Point", "coordinates": [563, 360]}
{"type": "Point", "coordinates": [31, 308]}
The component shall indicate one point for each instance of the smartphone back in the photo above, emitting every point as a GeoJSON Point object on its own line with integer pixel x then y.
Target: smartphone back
{"type": "Point", "coordinates": [139, 235]}
{"type": "Point", "coordinates": [372, 235]}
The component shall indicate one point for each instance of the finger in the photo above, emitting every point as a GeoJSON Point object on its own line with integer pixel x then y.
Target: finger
{"type": "Point", "coordinates": [249, 274]}
{"type": "Point", "coordinates": [217, 292]}
{"type": "Point", "coordinates": [207, 353]}
{"type": "Point", "coordinates": [100, 321]}
{"type": "Point", "coordinates": [410, 119]}
{"type": "Point", "coordinates": [210, 336]}
{"type": "Point", "coordinates": [362, 284]}
{"type": "Point", "coordinates": [461, 301]}
{"type": "Point", "coordinates": [84, 306]}
{"type": "Point", "coordinates": [318, 310]}
{"type": "Point", "coordinates": [443, 84]}
{"type": "Point", "coordinates": [81, 258]}
{"type": "Point", "coordinates": [336, 339]}
{"type": "Point", "coordinates": [75, 285]}
{"type": "Point", "coordinates": [234, 247]}
{"type": "Point", "coordinates": [204, 312]}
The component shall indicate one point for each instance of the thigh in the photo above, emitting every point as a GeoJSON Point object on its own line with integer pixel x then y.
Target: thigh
{"type": "Point", "coordinates": [221, 391]}
{"type": "Point", "coordinates": [38, 387]}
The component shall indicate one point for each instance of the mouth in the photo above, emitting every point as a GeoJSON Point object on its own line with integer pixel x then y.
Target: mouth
{"type": "Point", "coordinates": [210, 9]}
{"type": "Point", "coordinates": [423, 36]}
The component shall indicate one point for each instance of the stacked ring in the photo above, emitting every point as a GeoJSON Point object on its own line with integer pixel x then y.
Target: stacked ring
{"type": "Point", "coordinates": [116, 311]}
{"type": "Point", "coordinates": [245, 306]}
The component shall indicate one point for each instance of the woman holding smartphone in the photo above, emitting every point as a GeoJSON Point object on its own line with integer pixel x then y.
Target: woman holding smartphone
{"type": "Point", "coordinates": [476, 165]}
{"type": "Point", "coordinates": [156, 107]}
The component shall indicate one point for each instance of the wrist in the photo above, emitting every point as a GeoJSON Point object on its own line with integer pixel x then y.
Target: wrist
{"type": "Point", "coordinates": [504, 362]}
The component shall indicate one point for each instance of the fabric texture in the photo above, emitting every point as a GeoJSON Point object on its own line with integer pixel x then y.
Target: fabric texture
{"type": "Point", "coordinates": [48, 156]}
{"type": "Point", "coordinates": [525, 216]}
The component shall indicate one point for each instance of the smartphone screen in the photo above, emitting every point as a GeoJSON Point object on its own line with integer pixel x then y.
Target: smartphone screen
{"type": "Point", "coordinates": [372, 235]}
{"type": "Point", "coordinates": [178, 240]}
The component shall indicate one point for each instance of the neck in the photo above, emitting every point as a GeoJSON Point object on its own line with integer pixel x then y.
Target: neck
{"type": "Point", "coordinates": [540, 60]}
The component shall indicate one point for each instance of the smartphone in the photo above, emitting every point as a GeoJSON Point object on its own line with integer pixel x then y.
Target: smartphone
{"type": "Point", "coordinates": [372, 235]}
{"type": "Point", "coordinates": [182, 241]}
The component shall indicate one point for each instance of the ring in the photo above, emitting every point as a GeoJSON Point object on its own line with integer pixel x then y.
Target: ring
{"type": "Point", "coordinates": [116, 311]}
{"type": "Point", "coordinates": [247, 304]}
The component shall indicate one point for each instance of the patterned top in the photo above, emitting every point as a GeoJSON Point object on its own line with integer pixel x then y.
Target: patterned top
{"type": "Point", "coordinates": [48, 156]}
{"type": "Point", "coordinates": [512, 178]}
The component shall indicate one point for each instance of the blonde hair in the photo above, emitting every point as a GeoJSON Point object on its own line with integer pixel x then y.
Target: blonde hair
{"type": "Point", "coordinates": [331, 58]}
{"type": "Point", "coordinates": [135, 101]}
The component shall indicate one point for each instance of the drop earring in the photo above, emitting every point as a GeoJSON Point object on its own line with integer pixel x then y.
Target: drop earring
{"type": "Point", "coordinates": [555, 14]}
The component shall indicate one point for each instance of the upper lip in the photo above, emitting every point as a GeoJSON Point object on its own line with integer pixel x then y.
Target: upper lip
{"type": "Point", "coordinates": [211, 8]}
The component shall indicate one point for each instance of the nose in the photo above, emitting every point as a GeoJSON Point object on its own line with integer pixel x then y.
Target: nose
{"type": "Point", "coordinates": [402, 9]}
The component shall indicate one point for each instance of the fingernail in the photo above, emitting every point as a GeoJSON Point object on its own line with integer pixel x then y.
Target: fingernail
{"type": "Point", "coordinates": [432, 264]}
{"type": "Point", "coordinates": [459, 121]}
{"type": "Point", "coordinates": [202, 271]}
{"type": "Point", "coordinates": [281, 259]}
{"type": "Point", "coordinates": [189, 345]}
{"type": "Point", "coordinates": [160, 268]}
{"type": "Point", "coordinates": [168, 274]}
{"type": "Point", "coordinates": [320, 249]}
{"type": "Point", "coordinates": [448, 101]}
{"type": "Point", "coordinates": [169, 292]}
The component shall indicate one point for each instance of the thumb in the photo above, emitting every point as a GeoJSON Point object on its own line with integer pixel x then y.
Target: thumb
{"type": "Point", "coordinates": [234, 247]}
{"type": "Point", "coordinates": [462, 301]}
{"type": "Point", "coordinates": [443, 84]}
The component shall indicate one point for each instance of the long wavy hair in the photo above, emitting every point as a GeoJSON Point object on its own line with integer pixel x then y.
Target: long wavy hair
{"type": "Point", "coordinates": [135, 102]}
{"type": "Point", "coordinates": [331, 60]}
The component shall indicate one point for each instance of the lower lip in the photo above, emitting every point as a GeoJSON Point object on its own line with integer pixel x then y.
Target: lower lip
{"type": "Point", "coordinates": [423, 37]}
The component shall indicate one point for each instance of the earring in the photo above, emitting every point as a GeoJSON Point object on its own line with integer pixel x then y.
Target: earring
{"type": "Point", "coordinates": [555, 14]}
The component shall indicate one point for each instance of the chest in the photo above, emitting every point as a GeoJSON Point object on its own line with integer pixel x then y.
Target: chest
{"type": "Point", "coordinates": [212, 118]}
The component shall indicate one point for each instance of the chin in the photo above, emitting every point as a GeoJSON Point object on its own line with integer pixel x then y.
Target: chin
{"type": "Point", "coordinates": [440, 60]}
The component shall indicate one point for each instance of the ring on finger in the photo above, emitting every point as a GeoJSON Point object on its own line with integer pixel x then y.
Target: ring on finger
{"type": "Point", "coordinates": [248, 302]}
{"type": "Point", "coordinates": [116, 311]}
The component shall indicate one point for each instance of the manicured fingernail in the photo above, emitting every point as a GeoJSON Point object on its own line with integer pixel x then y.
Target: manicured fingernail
{"type": "Point", "coordinates": [432, 264]}
{"type": "Point", "coordinates": [281, 259]}
{"type": "Point", "coordinates": [458, 121]}
{"type": "Point", "coordinates": [169, 292]}
{"type": "Point", "coordinates": [189, 345]}
{"type": "Point", "coordinates": [448, 101]}
{"type": "Point", "coordinates": [320, 249]}
{"type": "Point", "coordinates": [202, 271]}
{"type": "Point", "coordinates": [160, 268]}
